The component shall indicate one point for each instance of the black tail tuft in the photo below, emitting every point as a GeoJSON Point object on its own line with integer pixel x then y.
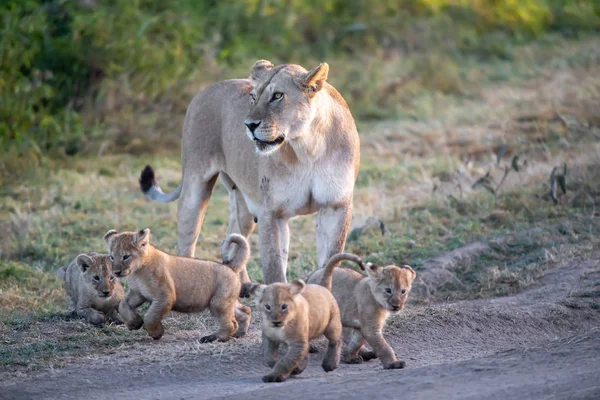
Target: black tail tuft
{"type": "Point", "coordinates": [147, 179]}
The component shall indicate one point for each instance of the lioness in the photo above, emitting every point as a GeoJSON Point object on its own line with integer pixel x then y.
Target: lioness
{"type": "Point", "coordinates": [294, 314]}
{"type": "Point", "coordinates": [178, 283]}
{"type": "Point", "coordinates": [93, 292]}
{"type": "Point", "coordinates": [365, 303]}
{"type": "Point", "coordinates": [283, 122]}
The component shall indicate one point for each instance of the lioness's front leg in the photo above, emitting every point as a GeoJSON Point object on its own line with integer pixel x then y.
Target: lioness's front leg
{"type": "Point", "coordinates": [286, 365]}
{"type": "Point", "coordinates": [127, 310]}
{"type": "Point", "coordinates": [273, 234]}
{"type": "Point", "coordinates": [332, 229]}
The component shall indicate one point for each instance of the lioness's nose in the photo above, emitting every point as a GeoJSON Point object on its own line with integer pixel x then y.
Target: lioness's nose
{"type": "Point", "coordinates": [252, 125]}
{"type": "Point", "coordinates": [118, 273]}
{"type": "Point", "coordinates": [106, 292]}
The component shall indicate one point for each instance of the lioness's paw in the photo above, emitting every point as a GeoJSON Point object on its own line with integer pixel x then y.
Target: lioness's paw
{"type": "Point", "coordinates": [273, 378]}
{"type": "Point", "coordinates": [155, 333]}
{"type": "Point", "coordinates": [135, 324]}
{"type": "Point", "coordinates": [395, 365]}
{"type": "Point", "coordinates": [208, 338]}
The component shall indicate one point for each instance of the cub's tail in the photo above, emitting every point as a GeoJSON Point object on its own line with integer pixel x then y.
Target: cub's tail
{"type": "Point", "coordinates": [242, 253]}
{"type": "Point", "coordinates": [335, 261]}
{"type": "Point", "coordinates": [61, 272]}
{"type": "Point", "coordinates": [153, 191]}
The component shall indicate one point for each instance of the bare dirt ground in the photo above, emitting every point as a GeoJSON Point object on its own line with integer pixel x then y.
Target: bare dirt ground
{"type": "Point", "coordinates": [540, 343]}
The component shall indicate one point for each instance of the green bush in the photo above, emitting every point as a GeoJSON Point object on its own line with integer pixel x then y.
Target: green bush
{"type": "Point", "coordinates": [57, 57]}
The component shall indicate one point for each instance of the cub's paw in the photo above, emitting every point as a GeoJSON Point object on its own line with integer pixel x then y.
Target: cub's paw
{"type": "Point", "coordinates": [328, 366]}
{"type": "Point", "coordinates": [156, 333]}
{"type": "Point", "coordinates": [395, 365]}
{"type": "Point", "coordinates": [367, 355]}
{"type": "Point", "coordinates": [97, 319]}
{"type": "Point", "coordinates": [273, 378]}
{"type": "Point", "coordinates": [135, 324]}
{"type": "Point", "coordinates": [353, 359]}
{"type": "Point", "coordinates": [208, 338]}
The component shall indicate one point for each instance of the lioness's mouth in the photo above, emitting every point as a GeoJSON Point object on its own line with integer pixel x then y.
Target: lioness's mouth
{"type": "Point", "coordinates": [263, 144]}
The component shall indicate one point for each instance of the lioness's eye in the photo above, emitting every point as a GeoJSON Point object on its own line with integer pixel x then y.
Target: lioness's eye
{"type": "Point", "coordinates": [252, 98]}
{"type": "Point", "coordinates": [268, 307]}
{"type": "Point", "coordinates": [111, 258]}
{"type": "Point", "coordinates": [283, 307]}
{"type": "Point", "coordinates": [112, 278]}
{"type": "Point", "coordinates": [277, 96]}
{"type": "Point", "coordinates": [403, 291]}
{"type": "Point", "coordinates": [126, 257]}
{"type": "Point", "coordinates": [97, 278]}
{"type": "Point", "coordinates": [388, 290]}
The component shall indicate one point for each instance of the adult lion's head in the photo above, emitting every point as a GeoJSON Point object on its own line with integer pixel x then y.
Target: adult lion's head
{"type": "Point", "coordinates": [281, 103]}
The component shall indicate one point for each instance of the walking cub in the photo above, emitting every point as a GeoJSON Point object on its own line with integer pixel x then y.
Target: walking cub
{"type": "Point", "coordinates": [294, 314]}
{"type": "Point", "coordinates": [365, 303]}
{"type": "Point", "coordinates": [180, 284]}
{"type": "Point", "coordinates": [93, 292]}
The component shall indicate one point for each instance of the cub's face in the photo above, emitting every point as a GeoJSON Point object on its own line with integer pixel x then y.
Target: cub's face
{"type": "Point", "coordinates": [391, 285]}
{"type": "Point", "coordinates": [277, 302]}
{"type": "Point", "coordinates": [281, 103]}
{"type": "Point", "coordinates": [126, 250]}
{"type": "Point", "coordinates": [97, 274]}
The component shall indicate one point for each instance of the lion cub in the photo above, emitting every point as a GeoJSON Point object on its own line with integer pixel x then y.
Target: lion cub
{"type": "Point", "coordinates": [365, 303]}
{"type": "Point", "coordinates": [93, 292]}
{"type": "Point", "coordinates": [178, 283]}
{"type": "Point", "coordinates": [294, 314]}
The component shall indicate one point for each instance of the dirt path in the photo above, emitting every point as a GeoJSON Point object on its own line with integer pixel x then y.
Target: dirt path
{"type": "Point", "coordinates": [541, 343]}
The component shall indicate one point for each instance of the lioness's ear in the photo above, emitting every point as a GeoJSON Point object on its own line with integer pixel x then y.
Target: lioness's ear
{"type": "Point", "coordinates": [373, 271]}
{"type": "Point", "coordinates": [258, 70]}
{"type": "Point", "coordinates": [142, 238]}
{"type": "Point", "coordinates": [297, 286]}
{"type": "Point", "coordinates": [84, 261]}
{"type": "Point", "coordinates": [108, 236]}
{"type": "Point", "coordinates": [256, 291]}
{"type": "Point", "coordinates": [314, 80]}
{"type": "Point", "coordinates": [412, 271]}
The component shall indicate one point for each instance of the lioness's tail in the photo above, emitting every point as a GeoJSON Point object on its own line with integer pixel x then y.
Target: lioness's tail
{"type": "Point", "coordinates": [61, 272]}
{"type": "Point", "coordinates": [153, 191]}
{"type": "Point", "coordinates": [333, 262]}
{"type": "Point", "coordinates": [242, 253]}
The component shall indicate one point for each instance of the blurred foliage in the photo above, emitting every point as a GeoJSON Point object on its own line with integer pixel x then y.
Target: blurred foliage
{"type": "Point", "coordinates": [61, 57]}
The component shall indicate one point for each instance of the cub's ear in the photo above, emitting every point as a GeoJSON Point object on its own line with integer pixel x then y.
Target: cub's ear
{"type": "Point", "coordinates": [314, 80]}
{"type": "Point", "coordinates": [109, 236]}
{"type": "Point", "coordinates": [84, 261]}
{"type": "Point", "coordinates": [297, 286]}
{"type": "Point", "coordinates": [142, 238]}
{"type": "Point", "coordinates": [256, 290]}
{"type": "Point", "coordinates": [412, 271]}
{"type": "Point", "coordinates": [258, 70]}
{"type": "Point", "coordinates": [374, 271]}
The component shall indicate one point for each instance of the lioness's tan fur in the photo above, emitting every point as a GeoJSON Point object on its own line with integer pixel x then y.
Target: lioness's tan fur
{"type": "Point", "coordinates": [305, 141]}
{"type": "Point", "coordinates": [93, 292]}
{"type": "Point", "coordinates": [178, 283]}
{"type": "Point", "coordinates": [365, 304]}
{"type": "Point", "coordinates": [294, 314]}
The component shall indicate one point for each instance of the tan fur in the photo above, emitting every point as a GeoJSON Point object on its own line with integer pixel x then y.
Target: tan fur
{"type": "Point", "coordinates": [365, 304]}
{"type": "Point", "coordinates": [306, 143]}
{"type": "Point", "coordinates": [294, 314]}
{"type": "Point", "coordinates": [178, 283]}
{"type": "Point", "coordinates": [92, 290]}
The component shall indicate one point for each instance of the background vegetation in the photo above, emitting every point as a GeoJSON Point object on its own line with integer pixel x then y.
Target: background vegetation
{"type": "Point", "coordinates": [479, 122]}
{"type": "Point", "coordinates": [79, 73]}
